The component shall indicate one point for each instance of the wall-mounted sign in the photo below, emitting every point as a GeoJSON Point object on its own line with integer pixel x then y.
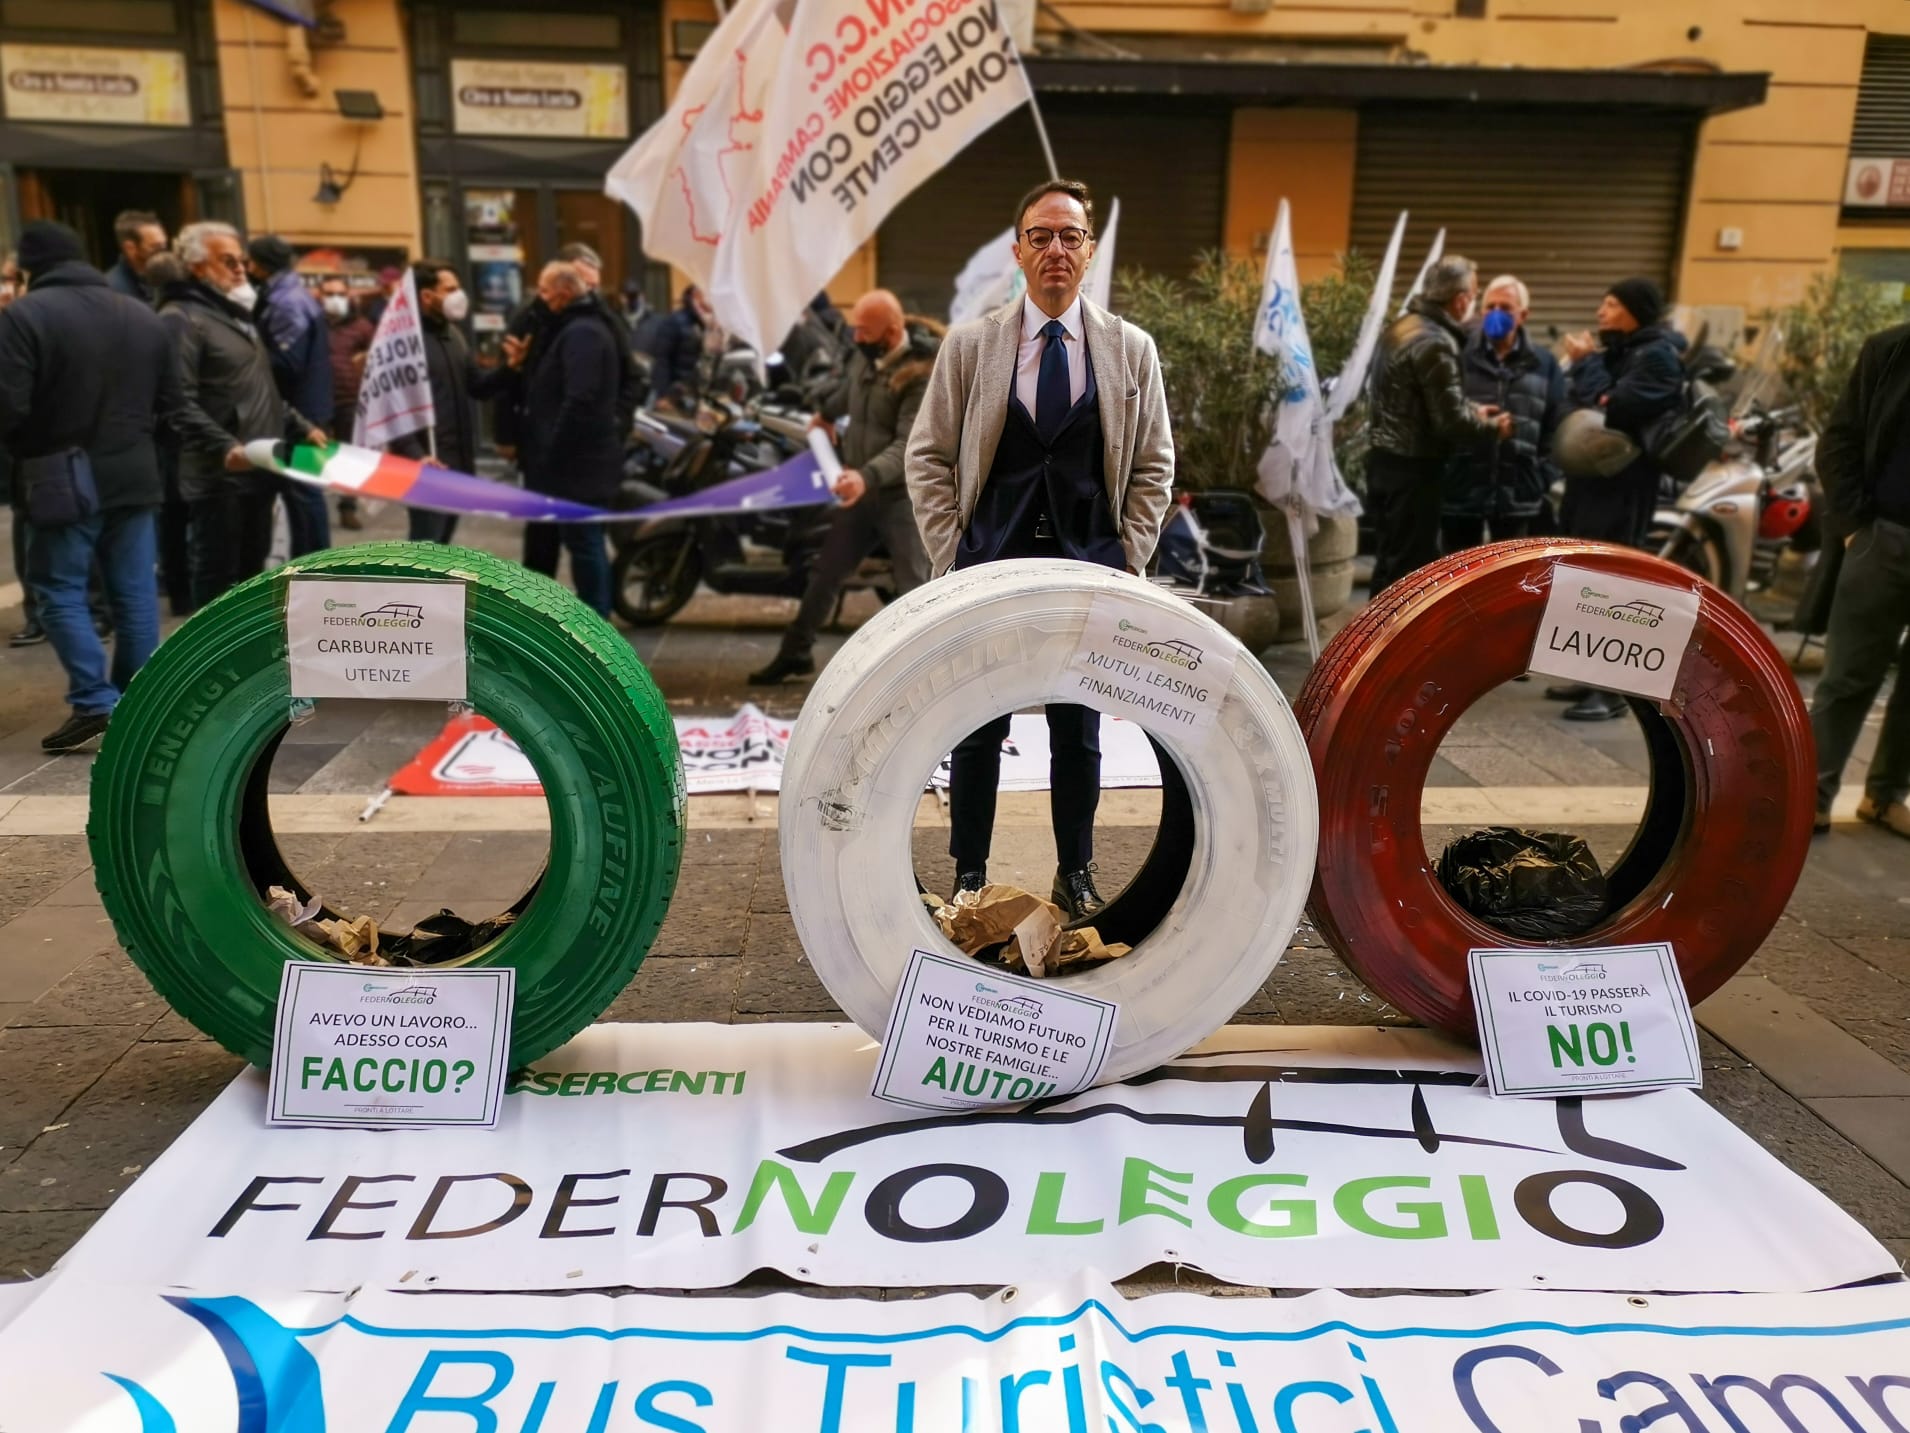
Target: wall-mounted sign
{"type": "Point", "coordinates": [526, 97]}
{"type": "Point", "coordinates": [75, 84]}
{"type": "Point", "coordinates": [1877, 184]}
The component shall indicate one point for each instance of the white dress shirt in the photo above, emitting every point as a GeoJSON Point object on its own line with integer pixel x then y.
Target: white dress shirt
{"type": "Point", "coordinates": [1033, 342]}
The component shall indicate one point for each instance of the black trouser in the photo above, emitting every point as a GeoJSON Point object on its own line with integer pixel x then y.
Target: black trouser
{"type": "Point", "coordinates": [428, 526]}
{"type": "Point", "coordinates": [1403, 496]}
{"type": "Point", "coordinates": [1459, 533]}
{"type": "Point", "coordinates": [854, 532]}
{"type": "Point", "coordinates": [1868, 616]}
{"type": "Point", "coordinates": [1074, 773]}
{"type": "Point", "coordinates": [230, 537]}
{"type": "Point", "coordinates": [1615, 509]}
{"type": "Point", "coordinates": [175, 544]}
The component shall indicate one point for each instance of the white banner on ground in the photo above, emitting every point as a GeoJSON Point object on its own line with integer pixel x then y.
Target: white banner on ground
{"type": "Point", "coordinates": [797, 129]}
{"type": "Point", "coordinates": [1074, 1357]}
{"type": "Point", "coordinates": [394, 397]}
{"type": "Point", "coordinates": [680, 1156]}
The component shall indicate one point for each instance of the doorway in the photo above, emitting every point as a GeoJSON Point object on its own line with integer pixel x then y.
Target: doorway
{"type": "Point", "coordinates": [512, 230]}
{"type": "Point", "coordinates": [87, 200]}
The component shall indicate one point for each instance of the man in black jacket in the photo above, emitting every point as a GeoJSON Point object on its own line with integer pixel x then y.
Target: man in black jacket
{"type": "Point", "coordinates": [1864, 460]}
{"type": "Point", "coordinates": [1633, 372]}
{"type": "Point", "coordinates": [524, 348]}
{"type": "Point", "coordinates": [572, 447]}
{"type": "Point", "coordinates": [227, 398]}
{"type": "Point", "coordinates": [85, 376]}
{"type": "Point", "coordinates": [676, 351]}
{"type": "Point", "coordinates": [456, 384]}
{"type": "Point", "coordinates": [139, 235]}
{"type": "Point", "coordinates": [880, 396]}
{"type": "Point", "coordinates": [1421, 417]}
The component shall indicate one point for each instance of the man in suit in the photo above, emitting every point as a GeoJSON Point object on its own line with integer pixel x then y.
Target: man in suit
{"type": "Point", "coordinates": [1043, 434]}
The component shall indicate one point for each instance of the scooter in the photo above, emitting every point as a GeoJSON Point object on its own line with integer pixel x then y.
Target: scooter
{"type": "Point", "coordinates": [1731, 524]}
{"type": "Point", "coordinates": [658, 565]}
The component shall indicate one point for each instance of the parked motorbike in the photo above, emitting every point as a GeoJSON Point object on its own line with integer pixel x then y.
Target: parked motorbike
{"type": "Point", "coordinates": [1733, 522]}
{"type": "Point", "coordinates": [658, 564]}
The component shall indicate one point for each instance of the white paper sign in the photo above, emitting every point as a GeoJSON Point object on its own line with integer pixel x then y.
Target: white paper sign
{"type": "Point", "coordinates": [1170, 673]}
{"type": "Point", "coordinates": [1571, 1022]}
{"type": "Point", "coordinates": [1614, 632]}
{"type": "Point", "coordinates": [963, 1036]}
{"type": "Point", "coordinates": [399, 640]}
{"type": "Point", "coordinates": [359, 1046]}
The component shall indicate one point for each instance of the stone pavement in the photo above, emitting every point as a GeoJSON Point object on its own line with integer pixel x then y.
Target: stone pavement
{"type": "Point", "coordinates": [1808, 1049]}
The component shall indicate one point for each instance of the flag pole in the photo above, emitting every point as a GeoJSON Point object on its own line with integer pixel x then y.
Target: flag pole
{"type": "Point", "coordinates": [1034, 108]}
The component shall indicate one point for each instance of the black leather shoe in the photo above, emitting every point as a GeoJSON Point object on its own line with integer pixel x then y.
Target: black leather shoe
{"type": "Point", "coordinates": [969, 881]}
{"type": "Point", "coordinates": [1074, 892]}
{"type": "Point", "coordinates": [30, 635]}
{"type": "Point", "coordinates": [782, 666]}
{"type": "Point", "coordinates": [79, 729]}
{"type": "Point", "coordinates": [1567, 694]}
{"type": "Point", "coordinates": [1596, 706]}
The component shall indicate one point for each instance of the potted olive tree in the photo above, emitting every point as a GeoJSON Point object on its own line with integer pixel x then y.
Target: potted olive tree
{"type": "Point", "coordinates": [1219, 390]}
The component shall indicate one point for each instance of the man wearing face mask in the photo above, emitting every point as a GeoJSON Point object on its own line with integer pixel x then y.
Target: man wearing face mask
{"type": "Point", "coordinates": [228, 398]}
{"type": "Point", "coordinates": [456, 384]}
{"type": "Point", "coordinates": [300, 345]}
{"type": "Point", "coordinates": [1420, 418]}
{"type": "Point", "coordinates": [880, 393]}
{"type": "Point", "coordinates": [1633, 372]}
{"type": "Point", "coordinates": [1043, 433]}
{"type": "Point", "coordinates": [1500, 483]}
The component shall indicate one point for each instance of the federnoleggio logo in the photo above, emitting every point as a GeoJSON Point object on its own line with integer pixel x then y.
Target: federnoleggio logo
{"type": "Point", "coordinates": [392, 614]}
{"type": "Point", "coordinates": [404, 995]}
{"type": "Point", "coordinates": [1594, 603]}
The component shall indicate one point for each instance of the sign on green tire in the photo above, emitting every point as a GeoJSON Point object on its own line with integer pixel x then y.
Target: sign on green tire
{"type": "Point", "coordinates": [182, 841]}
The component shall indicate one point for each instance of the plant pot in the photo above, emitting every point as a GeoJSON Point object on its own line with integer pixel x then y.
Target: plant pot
{"type": "Point", "coordinates": [1330, 553]}
{"type": "Point", "coordinates": [1254, 621]}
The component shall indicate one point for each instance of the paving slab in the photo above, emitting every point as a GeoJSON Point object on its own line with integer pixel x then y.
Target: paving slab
{"type": "Point", "coordinates": [42, 946]}
{"type": "Point", "coordinates": [42, 1072]}
{"type": "Point", "coordinates": [1804, 1053]}
{"type": "Point", "coordinates": [30, 1244]}
{"type": "Point", "coordinates": [105, 990]}
{"type": "Point", "coordinates": [128, 1117]}
{"type": "Point", "coordinates": [1849, 992]}
{"type": "Point", "coordinates": [33, 868]}
{"type": "Point", "coordinates": [679, 989]}
{"type": "Point", "coordinates": [1879, 1126]}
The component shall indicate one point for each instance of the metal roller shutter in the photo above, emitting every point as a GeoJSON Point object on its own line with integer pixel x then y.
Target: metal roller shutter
{"type": "Point", "coordinates": [1169, 171]}
{"type": "Point", "coordinates": [1569, 202]}
{"type": "Point", "coordinates": [1882, 127]}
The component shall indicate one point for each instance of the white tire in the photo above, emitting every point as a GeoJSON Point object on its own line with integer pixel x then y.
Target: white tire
{"type": "Point", "coordinates": [968, 647]}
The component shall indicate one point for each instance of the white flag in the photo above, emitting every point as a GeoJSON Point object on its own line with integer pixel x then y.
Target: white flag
{"type": "Point", "coordinates": [1419, 280]}
{"type": "Point", "coordinates": [1346, 388]}
{"type": "Point", "coordinates": [1298, 462]}
{"type": "Point", "coordinates": [394, 398]}
{"type": "Point", "coordinates": [1098, 283]}
{"type": "Point", "coordinates": [989, 279]}
{"type": "Point", "coordinates": [800, 126]}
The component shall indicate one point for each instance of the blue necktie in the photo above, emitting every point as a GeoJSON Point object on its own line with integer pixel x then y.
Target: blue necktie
{"type": "Point", "coordinates": [1051, 387]}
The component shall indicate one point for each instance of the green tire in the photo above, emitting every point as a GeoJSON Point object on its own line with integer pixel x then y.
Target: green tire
{"type": "Point", "coordinates": [182, 841]}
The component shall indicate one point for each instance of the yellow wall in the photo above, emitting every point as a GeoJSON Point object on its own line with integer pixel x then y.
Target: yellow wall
{"type": "Point", "coordinates": [277, 136]}
{"type": "Point", "coordinates": [1305, 155]}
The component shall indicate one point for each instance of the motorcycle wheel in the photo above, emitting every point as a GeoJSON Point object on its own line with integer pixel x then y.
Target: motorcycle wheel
{"type": "Point", "coordinates": [654, 579]}
{"type": "Point", "coordinates": [1694, 553]}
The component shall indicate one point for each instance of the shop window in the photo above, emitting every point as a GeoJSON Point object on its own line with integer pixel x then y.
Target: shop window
{"type": "Point", "coordinates": [537, 29]}
{"type": "Point", "coordinates": [126, 17]}
{"type": "Point", "coordinates": [688, 36]}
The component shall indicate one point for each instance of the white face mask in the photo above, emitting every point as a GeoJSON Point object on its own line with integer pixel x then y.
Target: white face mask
{"type": "Point", "coordinates": [456, 306]}
{"type": "Point", "coordinates": [338, 305]}
{"type": "Point", "coordinates": [243, 294]}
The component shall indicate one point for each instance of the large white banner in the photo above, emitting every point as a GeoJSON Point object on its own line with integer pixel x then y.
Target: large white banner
{"type": "Point", "coordinates": [801, 124]}
{"type": "Point", "coordinates": [680, 1156]}
{"type": "Point", "coordinates": [1066, 1359]}
{"type": "Point", "coordinates": [395, 397]}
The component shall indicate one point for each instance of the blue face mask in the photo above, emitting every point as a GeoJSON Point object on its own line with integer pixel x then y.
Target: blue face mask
{"type": "Point", "coordinates": [1499, 325]}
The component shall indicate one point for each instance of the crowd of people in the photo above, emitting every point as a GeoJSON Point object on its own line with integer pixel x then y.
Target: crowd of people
{"type": "Point", "coordinates": [1463, 416]}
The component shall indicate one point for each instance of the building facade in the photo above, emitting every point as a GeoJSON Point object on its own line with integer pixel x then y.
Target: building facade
{"type": "Point", "coordinates": [1730, 148]}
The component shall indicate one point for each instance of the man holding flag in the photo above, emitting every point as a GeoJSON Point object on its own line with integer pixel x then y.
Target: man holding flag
{"type": "Point", "coordinates": [1044, 433]}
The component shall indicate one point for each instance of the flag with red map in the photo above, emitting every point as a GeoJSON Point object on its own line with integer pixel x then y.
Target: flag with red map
{"type": "Point", "coordinates": [801, 124]}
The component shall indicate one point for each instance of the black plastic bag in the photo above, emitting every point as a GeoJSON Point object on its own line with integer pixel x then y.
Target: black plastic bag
{"type": "Point", "coordinates": [1536, 885]}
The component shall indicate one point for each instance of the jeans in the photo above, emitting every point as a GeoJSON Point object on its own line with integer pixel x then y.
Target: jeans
{"type": "Point", "coordinates": [589, 563]}
{"type": "Point", "coordinates": [60, 560]}
{"type": "Point", "coordinates": [427, 526]}
{"type": "Point", "coordinates": [306, 516]}
{"type": "Point", "coordinates": [854, 532]}
{"type": "Point", "coordinates": [230, 535]}
{"type": "Point", "coordinates": [1868, 616]}
{"type": "Point", "coordinates": [1402, 494]}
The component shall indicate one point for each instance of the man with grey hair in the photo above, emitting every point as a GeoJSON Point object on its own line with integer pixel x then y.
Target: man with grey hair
{"type": "Point", "coordinates": [228, 398]}
{"type": "Point", "coordinates": [572, 446]}
{"type": "Point", "coordinates": [1420, 417]}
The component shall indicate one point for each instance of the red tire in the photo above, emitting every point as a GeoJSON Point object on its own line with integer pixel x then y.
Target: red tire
{"type": "Point", "coordinates": [1727, 825]}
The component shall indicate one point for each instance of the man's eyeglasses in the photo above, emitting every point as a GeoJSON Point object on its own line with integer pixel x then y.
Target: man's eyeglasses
{"type": "Point", "coordinates": [1070, 238]}
{"type": "Point", "coordinates": [230, 261]}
